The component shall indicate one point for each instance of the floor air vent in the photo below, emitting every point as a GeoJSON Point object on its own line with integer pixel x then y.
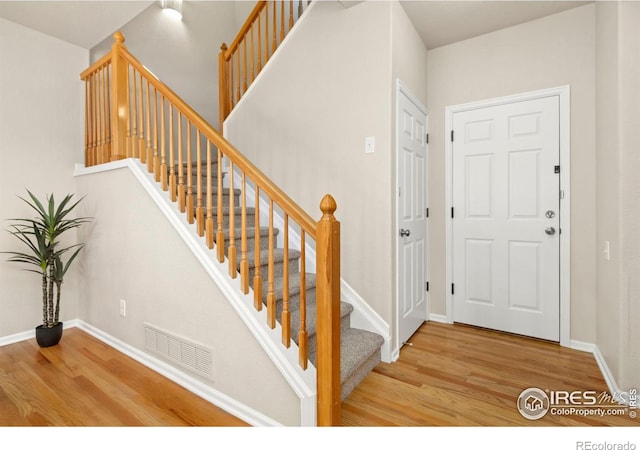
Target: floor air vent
{"type": "Point", "coordinates": [180, 351]}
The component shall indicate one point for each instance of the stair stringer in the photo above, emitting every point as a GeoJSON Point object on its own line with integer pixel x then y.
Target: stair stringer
{"type": "Point", "coordinates": [363, 315]}
{"type": "Point", "coordinates": [303, 382]}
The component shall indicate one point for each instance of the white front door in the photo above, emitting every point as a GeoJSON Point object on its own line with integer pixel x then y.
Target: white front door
{"type": "Point", "coordinates": [411, 162]}
{"type": "Point", "coordinates": [506, 227]}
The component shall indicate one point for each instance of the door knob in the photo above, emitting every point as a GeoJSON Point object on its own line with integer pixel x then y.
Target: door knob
{"type": "Point", "coordinates": [550, 231]}
{"type": "Point", "coordinates": [404, 233]}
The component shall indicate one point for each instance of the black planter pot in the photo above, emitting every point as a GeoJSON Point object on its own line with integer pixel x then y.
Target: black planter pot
{"type": "Point", "coordinates": [48, 337]}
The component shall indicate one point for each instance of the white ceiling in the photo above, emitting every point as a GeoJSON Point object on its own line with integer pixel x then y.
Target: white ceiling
{"type": "Point", "coordinates": [84, 23]}
{"type": "Point", "coordinates": [444, 22]}
{"type": "Point", "coordinates": [88, 22]}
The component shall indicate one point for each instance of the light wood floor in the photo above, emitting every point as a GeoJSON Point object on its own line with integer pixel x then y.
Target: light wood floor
{"type": "Point", "coordinates": [455, 375]}
{"type": "Point", "coordinates": [83, 382]}
{"type": "Point", "coordinates": [451, 376]}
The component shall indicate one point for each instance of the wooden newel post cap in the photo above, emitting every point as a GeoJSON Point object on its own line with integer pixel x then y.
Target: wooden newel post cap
{"type": "Point", "coordinates": [223, 47]}
{"type": "Point", "coordinates": [328, 206]}
{"type": "Point", "coordinates": [118, 37]}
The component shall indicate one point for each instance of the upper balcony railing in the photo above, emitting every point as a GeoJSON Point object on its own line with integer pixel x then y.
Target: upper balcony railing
{"type": "Point", "coordinates": [262, 33]}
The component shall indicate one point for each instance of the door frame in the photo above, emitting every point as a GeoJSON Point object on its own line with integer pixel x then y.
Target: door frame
{"type": "Point", "coordinates": [563, 93]}
{"type": "Point", "coordinates": [402, 89]}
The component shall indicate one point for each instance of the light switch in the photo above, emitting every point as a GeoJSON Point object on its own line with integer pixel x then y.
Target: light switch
{"type": "Point", "coordinates": [607, 251]}
{"type": "Point", "coordinates": [369, 144]}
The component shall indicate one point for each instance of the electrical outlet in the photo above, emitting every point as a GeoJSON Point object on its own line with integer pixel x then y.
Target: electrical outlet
{"type": "Point", "coordinates": [123, 308]}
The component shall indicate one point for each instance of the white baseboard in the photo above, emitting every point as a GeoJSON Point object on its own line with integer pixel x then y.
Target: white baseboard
{"type": "Point", "coordinates": [18, 337]}
{"type": "Point", "coordinates": [31, 334]}
{"type": "Point", "coordinates": [614, 390]}
{"type": "Point", "coordinates": [440, 318]}
{"type": "Point", "coordinates": [582, 346]}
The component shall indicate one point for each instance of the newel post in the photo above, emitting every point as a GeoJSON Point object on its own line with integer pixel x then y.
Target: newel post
{"type": "Point", "coordinates": [328, 314]}
{"type": "Point", "coordinates": [223, 85]}
{"type": "Point", "coordinates": [119, 103]}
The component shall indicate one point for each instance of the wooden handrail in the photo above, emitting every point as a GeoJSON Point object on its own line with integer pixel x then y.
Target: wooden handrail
{"type": "Point", "coordinates": [130, 113]}
{"type": "Point", "coordinates": [246, 26]}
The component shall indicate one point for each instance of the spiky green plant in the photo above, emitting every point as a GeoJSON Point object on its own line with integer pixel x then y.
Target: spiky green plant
{"type": "Point", "coordinates": [41, 236]}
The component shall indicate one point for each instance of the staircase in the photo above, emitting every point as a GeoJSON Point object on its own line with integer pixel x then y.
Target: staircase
{"type": "Point", "coordinates": [359, 349]}
{"type": "Point", "coordinates": [130, 113]}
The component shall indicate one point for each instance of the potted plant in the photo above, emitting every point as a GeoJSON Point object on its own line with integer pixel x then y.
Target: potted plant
{"type": "Point", "coordinates": [44, 251]}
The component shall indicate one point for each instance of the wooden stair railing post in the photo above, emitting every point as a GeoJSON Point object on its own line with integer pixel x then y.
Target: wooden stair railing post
{"type": "Point", "coordinates": [328, 314]}
{"type": "Point", "coordinates": [119, 105]}
{"type": "Point", "coordinates": [223, 85]}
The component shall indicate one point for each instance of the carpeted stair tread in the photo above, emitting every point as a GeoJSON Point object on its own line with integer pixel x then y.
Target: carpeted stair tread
{"type": "Point", "coordinates": [278, 256]}
{"type": "Point", "coordinates": [251, 232]}
{"type": "Point", "coordinates": [356, 348]}
{"type": "Point", "coordinates": [345, 311]}
{"type": "Point", "coordinates": [294, 289]}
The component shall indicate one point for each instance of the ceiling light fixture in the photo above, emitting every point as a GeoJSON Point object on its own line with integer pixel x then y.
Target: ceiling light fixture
{"type": "Point", "coordinates": [172, 7]}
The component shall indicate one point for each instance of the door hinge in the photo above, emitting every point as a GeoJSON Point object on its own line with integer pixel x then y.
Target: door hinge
{"type": "Point", "coordinates": [451, 135]}
{"type": "Point", "coordinates": [452, 212]}
{"type": "Point", "coordinates": [427, 138]}
{"type": "Point", "coordinates": [426, 286]}
{"type": "Point", "coordinates": [453, 289]}
{"type": "Point", "coordinates": [426, 212]}
{"type": "Point", "coordinates": [561, 194]}
{"type": "Point", "coordinates": [556, 169]}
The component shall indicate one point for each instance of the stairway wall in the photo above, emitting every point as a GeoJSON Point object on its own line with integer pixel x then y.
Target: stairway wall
{"type": "Point", "coordinates": [133, 253]}
{"type": "Point", "coordinates": [183, 53]}
{"type": "Point", "coordinates": [304, 123]}
{"type": "Point", "coordinates": [41, 138]}
{"type": "Point", "coordinates": [618, 189]}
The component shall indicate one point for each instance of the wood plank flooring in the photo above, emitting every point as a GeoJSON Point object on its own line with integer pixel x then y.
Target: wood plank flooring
{"type": "Point", "coordinates": [83, 382]}
{"type": "Point", "coordinates": [451, 375]}
{"type": "Point", "coordinates": [455, 375]}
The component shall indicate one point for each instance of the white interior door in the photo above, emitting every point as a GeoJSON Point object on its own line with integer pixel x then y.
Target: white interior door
{"type": "Point", "coordinates": [412, 215]}
{"type": "Point", "coordinates": [506, 228]}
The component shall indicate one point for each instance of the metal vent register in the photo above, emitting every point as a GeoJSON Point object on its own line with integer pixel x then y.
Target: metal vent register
{"type": "Point", "coordinates": [191, 356]}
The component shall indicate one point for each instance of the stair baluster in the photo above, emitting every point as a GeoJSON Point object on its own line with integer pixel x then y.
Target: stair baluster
{"type": "Point", "coordinates": [199, 204]}
{"type": "Point", "coordinates": [181, 189]}
{"type": "Point", "coordinates": [140, 143]}
{"type": "Point", "coordinates": [257, 277]}
{"type": "Point", "coordinates": [244, 262]}
{"type": "Point", "coordinates": [172, 167]}
{"type": "Point", "coordinates": [148, 150]}
{"type": "Point", "coordinates": [209, 194]}
{"type": "Point", "coordinates": [190, 204]}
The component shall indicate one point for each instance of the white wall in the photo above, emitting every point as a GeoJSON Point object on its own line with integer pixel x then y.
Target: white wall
{"type": "Point", "coordinates": [304, 123]}
{"type": "Point", "coordinates": [618, 189]}
{"type": "Point", "coordinates": [134, 254]}
{"type": "Point", "coordinates": [41, 138]}
{"type": "Point", "coordinates": [630, 210]}
{"type": "Point", "coordinates": [182, 54]}
{"type": "Point", "coordinates": [553, 51]}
